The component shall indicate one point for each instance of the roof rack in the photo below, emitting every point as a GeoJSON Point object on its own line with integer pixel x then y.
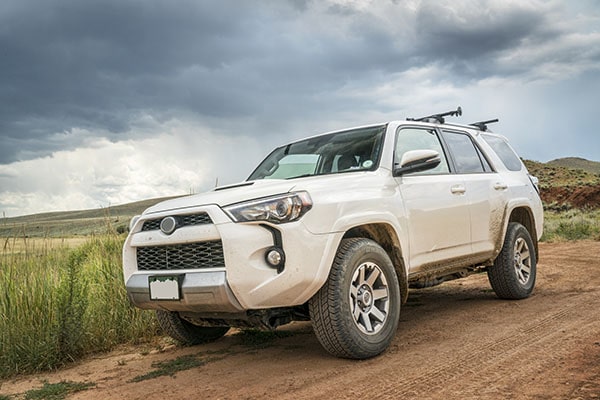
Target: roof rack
{"type": "Point", "coordinates": [482, 125]}
{"type": "Point", "coordinates": [438, 117]}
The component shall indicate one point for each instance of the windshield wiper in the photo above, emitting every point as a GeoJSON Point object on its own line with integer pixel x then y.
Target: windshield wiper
{"type": "Point", "coordinates": [301, 176]}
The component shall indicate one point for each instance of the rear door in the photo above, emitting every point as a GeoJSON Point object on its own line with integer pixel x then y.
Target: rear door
{"type": "Point", "coordinates": [484, 188]}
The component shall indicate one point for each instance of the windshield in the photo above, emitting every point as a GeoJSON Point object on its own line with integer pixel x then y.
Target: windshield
{"type": "Point", "coordinates": [347, 151]}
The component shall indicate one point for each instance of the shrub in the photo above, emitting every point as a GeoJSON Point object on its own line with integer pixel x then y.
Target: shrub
{"type": "Point", "coordinates": [571, 224]}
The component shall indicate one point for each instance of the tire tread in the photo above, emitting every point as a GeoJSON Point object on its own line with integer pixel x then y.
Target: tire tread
{"type": "Point", "coordinates": [326, 307]}
{"type": "Point", "coordinates": [501, 275]}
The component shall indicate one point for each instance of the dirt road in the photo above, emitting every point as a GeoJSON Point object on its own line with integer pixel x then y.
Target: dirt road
{"type": "Point", "coordinates": [455, 341]}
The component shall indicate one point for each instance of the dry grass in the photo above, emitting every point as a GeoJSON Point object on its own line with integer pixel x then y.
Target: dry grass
{"type": "Point", "coordinates": [58, 303]}
{"type": "Point", "coordinates": [14, 245]}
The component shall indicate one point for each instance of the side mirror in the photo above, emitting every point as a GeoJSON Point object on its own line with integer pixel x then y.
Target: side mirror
{"type": "Point", "coordinates": [417, 161]}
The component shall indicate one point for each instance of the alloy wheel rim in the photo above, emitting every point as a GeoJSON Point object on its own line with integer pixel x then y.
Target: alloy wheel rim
{"type": "Point", "coordinates": [369, 298]}
{"type": "Point", "coordinates": [522, 261]}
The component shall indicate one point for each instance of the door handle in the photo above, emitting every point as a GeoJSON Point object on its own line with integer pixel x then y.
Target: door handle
{"type": "Point", "coordinates": [458, 189]}
{"type": "Point", "coordinates": [500, 186]}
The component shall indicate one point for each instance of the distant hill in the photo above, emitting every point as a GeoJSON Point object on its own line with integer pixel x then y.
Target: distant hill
{"type": "Point", "coordinates": [577, 163]}
{"type": "Point", "coordinates": [75, 223]}
{"type": "Point", "coordinates": [556, 173]}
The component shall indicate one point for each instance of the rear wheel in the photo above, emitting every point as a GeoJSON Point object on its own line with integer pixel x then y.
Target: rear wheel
{"type": "Point", "coordinates": [355, 314]}
{"type": "Point", "coordinates": [514, 271]}
{"type": "Point", "coordinates": [185, 332]}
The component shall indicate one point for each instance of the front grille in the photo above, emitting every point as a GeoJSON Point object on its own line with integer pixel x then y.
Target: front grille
{"type": "Point", "coordinates": [181, 256]}
{"type": "Point", "coordinates": [182, 220]}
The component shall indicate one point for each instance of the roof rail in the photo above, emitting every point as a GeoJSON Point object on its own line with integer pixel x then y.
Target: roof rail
{"type": "Point", "coordinates": [482, 125]}
{"type": "Point", "coordinates": [438, 117]}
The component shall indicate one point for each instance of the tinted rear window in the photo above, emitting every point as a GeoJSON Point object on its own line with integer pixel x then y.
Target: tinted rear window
{"type": "Point", "coordinates": [465, 155]}
{"type": "Point", "coordinates": [503, 150]}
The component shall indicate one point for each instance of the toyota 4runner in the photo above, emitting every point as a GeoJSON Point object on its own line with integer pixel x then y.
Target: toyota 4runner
{"type": "Point", "coordinates": [335, 229]}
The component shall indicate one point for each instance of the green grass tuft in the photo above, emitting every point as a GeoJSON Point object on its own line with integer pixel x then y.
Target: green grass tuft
{"type": "Point", "coordinates": [170, 368]}
{"type": "Point", "coordinates": [57, 391]}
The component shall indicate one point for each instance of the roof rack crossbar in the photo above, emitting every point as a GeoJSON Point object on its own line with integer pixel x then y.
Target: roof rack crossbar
{"type": "Point", "coordinates": [438, 117]}
{"type": "Point", "coordinates": [482, 125]}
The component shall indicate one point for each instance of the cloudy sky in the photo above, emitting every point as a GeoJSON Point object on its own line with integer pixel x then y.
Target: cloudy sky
{"type": "Point", "coordinates": [112, 101]}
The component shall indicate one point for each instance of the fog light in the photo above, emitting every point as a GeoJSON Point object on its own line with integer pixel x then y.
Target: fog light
{"type": "Point", "coordinates": [275, 257]}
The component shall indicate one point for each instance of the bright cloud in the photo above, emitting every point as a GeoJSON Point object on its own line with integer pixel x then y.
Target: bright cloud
{"type": "Point", "coordinates": [177, 161]}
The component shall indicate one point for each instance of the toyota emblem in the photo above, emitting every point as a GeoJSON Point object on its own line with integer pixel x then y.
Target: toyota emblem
{"type": "Point", "coordinates": [168, 225]}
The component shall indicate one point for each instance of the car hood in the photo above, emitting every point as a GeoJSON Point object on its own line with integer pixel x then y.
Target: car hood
{"type": "Point", "coordinates": [226, 195]}
{"type": "Point", "coordinates": [320, 188]}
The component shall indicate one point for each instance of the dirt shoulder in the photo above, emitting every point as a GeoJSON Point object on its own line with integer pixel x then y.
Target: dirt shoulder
{"type": "Point", "coordinates": [454, 341]}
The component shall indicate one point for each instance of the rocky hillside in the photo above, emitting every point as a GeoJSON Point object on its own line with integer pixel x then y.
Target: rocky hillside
{"type": "Point", "coordinates": [568, 183]}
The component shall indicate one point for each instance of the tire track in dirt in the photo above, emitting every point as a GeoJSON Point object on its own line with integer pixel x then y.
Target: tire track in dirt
{"type": "Point", "coordinates": [451, 372]}
{"type": "Point", "coordinates": [520, 362]}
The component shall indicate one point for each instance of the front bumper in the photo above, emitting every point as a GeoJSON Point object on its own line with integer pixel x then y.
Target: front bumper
{"type": "Point", "coordinates": [201, 292]}
{"type": "Point", "coordinates": [245, 281]}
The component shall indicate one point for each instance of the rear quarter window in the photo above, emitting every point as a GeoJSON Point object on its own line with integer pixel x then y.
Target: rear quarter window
{"type": "Point", "coordinates": [508, 157]}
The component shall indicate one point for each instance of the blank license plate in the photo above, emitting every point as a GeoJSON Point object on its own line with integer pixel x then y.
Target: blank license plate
{"type": "Point", "coordinates": [164, 287]}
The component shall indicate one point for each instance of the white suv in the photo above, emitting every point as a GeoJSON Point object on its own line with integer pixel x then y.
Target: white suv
{"type": "Point", "coordinates": [335, 229]}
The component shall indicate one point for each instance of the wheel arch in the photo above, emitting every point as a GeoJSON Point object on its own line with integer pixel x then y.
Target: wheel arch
{"type": "Point", "coordinates": [524, 216]}
{"type": "Point", "coordinates": [385, 235]}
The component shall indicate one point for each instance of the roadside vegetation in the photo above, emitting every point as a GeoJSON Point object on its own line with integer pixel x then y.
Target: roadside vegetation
{"type": "Point", "coordinates": [570, 191]}
{"type": "Point", "coordinates": [571, 224]}
{"type": "Point", "coordinates": [58, 304]}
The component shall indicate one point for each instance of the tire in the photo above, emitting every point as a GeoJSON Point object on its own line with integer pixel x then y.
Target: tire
{"type": "Point", "coordinates": [185, 332]}
{"type": "Point", "coordinates": [514, 271]}
{"type": "Point", "coordinates": [355, 314]}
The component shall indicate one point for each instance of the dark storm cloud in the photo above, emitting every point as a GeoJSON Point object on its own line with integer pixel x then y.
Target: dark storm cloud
{"type": "Point", "coordinates": [94, 64]}
{"type": "Point", "coordinates": [69, 67]}
{"type": "Point", "coordinates": [464, 33]}
{"type": "Point", "coordinates": [467, 38]}
{"type": "Point", "coordinates": [97, 65]}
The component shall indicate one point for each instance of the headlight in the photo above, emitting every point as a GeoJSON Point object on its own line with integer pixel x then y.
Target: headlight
{"type": "Point", "coordinates": [276, 209]}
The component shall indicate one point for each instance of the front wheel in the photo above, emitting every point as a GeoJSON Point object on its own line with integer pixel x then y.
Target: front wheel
{"type": "Point", "coordinates": [513, 274]}
{"type": "Point", "coordinates": [355, 314]}
{"type": "Point", "coordinates": [185, 332]}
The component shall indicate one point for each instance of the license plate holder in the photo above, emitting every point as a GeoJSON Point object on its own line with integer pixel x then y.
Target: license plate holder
{"type": "Point", "coordinates": [165, 287]}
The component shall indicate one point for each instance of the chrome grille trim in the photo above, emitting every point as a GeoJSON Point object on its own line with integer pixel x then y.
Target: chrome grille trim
{"type": "Point", "coordinates": [182, 220]}
{"type": "Point", "coordinates": [181, 256]}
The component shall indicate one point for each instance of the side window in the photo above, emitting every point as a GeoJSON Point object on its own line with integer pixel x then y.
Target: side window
{"type": "Point", "coordinates": [465, 155]}
{"type": "Point", "coordinates": [503, 150]}
{"type": "Point", "coordinates": [420, 139]}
